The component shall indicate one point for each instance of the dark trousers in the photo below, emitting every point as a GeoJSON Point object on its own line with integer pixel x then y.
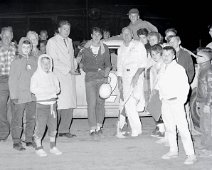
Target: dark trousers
{"type": "Point", "coordinates": [17, 121]}
{"type": "Point", "coordinates": [206, 127]}
{"type": "Point", "coordinates": [96, 110]}
{"type": "Point", "coordinates": [45, 117]}
{"type": "Point", "coordinates": [4, 95]}
{"type": "Point", "coordinates": [64, 120]}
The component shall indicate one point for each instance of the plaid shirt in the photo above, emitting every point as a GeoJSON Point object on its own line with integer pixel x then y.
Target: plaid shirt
{"type": "Point", "coordinates": [6, 58]}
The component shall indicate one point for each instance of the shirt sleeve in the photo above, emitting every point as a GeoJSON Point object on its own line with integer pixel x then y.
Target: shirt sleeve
{"type": "Point", "coordinates": [142, 56]}
{"type": "Point", "coordinates": [13, 79]}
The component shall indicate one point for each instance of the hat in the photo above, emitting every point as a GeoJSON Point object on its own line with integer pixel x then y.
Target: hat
{"type": "Point", "coordinates": [133, 11]}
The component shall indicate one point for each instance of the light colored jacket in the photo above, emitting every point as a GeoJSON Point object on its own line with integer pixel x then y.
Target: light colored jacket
{"type": "Point", "coordinates": [63, 59]}
{"type": "Point", "coordinates": [44, 85]}
{"type": "Point", "coordinates": [173, 82]}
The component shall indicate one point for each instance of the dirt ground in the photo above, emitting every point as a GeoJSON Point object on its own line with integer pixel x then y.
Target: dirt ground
{"type": "Point", "coordinates": [108, 153]}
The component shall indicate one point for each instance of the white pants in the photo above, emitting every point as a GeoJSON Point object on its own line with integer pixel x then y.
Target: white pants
{"type": "Point", "coordinates": [132, 102]}
{"type": "Point", "coordinates": [173, 114]}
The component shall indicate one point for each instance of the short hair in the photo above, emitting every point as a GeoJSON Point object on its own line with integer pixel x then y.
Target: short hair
{"type": "Point", "coordinates": [156, 34]}
{"type": "Point", "coordinates": [43, 31]}
{"type": "Point", "coordinates": [96, 29]}
{"type": "Point", "coordinates": [28, 42]}
{"type": "Point", "coordinates": [8, 28]}
{"type": "Point", "coordinates": [173, 36]}
{"type": "Point", "coordinates": [63, 22]}
{"type": "Point", "coordinates": [32, 33]}
{"type": "Point", "coordinates": [157, 48]}
{"type": "Point", "coordinates": [171, 30]}
{"type": "Point", "coordinates": [142, 31]}
{"type": "Point", "coordinates": [170, 48]}
{"type": "Point", "coordinates": [126, 28]}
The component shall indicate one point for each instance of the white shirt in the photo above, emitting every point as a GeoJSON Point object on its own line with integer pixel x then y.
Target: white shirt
{"type": "Point", "coordinates": [173, 82]}
{"type": "Point", "coordinates": [131, 57]}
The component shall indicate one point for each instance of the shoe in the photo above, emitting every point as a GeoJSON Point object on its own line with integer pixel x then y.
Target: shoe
{"type": "Point", "coordinates": [161, 134]}
{"type": "Point", "coordinates": [31, 144]}
{"type": "Point", "coordinates": [18, 146]}
{"type": "Point", "coordinates": [92, 133]}
{"type": "Point", "coordinates": [55, 151]}
{"type": "Point", "coordinates": [155, 132]}
{"type": "Point", "coordinates": [41, 152]}
{"type": "Point", "coordinates": [170, 155]}
{"type": "Point", "coordinates": [68, 135]}
{"type": "Point", "coordinates": [190, 159]}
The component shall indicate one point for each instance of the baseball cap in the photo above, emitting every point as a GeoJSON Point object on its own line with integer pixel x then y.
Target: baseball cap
{"type": "Point", "coordinates": [133, 11]}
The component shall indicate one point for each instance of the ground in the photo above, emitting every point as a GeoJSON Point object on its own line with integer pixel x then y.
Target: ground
{"type": "Point", "coordinates": [108, 153]}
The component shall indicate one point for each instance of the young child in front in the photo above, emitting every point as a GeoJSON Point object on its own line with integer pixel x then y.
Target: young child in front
{"type": "Point", "coordinates": [45, 86]}
{"type": "Point", "coordinates": [173, 90]}
{"type": "Point", "coordinates": [22, 69]}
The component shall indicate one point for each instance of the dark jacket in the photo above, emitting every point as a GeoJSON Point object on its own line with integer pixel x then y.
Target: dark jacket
{"type": "Point", "coordinates": [185, 60]}
{"type": "Point", "coordinates": [204, 87]}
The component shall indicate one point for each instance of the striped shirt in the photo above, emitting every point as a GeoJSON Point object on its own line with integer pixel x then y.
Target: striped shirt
{"type": "Point", "coordinates": [6, 58]}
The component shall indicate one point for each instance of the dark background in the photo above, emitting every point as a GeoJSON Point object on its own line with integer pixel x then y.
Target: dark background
{"type": "Point", "coordinates": [190, 19]}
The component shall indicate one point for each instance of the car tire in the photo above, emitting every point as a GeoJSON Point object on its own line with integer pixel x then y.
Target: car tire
{"type": "Point", "coordinates": [195, 114]}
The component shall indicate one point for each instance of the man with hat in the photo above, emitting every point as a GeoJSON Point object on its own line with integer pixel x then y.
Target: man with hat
{"type": "Point", "coordinates": [136, 23]}
{"type": "Point", "coordinates": [204, 98]}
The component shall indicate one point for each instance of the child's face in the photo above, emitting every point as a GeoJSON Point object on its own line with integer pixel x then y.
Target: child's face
{"type": "Point", "coordinates": [153, 40]}
{"type": "Point", "coordinates": [43, 36]}
{"type": "Point", "coordinates": [45, 65]}
{"type": "Point", "coordinates": [26, 49]}
{"type": "Point", "coordinates": [155, 56]}
{"type": "Point", "coordinates": [96, 36]}
{"type": "Point", "coordinates": [143, 39]}
{"type": "Point", "coordinates": [168, 56]}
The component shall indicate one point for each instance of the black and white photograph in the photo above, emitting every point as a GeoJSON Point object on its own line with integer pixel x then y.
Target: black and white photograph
{"type": "Point", "coordinates": [94, 85]}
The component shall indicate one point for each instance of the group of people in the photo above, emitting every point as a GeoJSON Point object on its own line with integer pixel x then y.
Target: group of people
{"type": "Point", "coordinates": [41, 86]}
{"type": "Point", "coordinates": [40, 82]}
{"type": "Point", "coordinates": [147, 66]}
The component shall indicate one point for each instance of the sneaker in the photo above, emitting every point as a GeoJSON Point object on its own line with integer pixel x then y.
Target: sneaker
{"type": "Point", "coordinates": [31, 144]}
{"type": "Point", "coordinates": [41, 152]}
{"type": "Point", "coordinates": [92, 133]}
{"type": "Point", "coordinates": [18, 146]}
{"type": "Point", "coordinates": [55, 151]}
{"type": "Point", "coordinates": [155, 132]}
{"type": "Point", "coordinates": [67, 135]}
{"type": "Point", "coordinates": [190, 159]}
{"type": "Point", "coordinates": [161, 134]}
{"type": "Point", "coordinates": [99, 133]}
{"type": "Point", "coordinates": [170, 155]}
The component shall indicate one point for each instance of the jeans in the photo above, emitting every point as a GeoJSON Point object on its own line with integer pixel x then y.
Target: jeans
{"type": "Point", "coordinates": [96, 110]}
{"type": "Point", "coordinates": [17, 121]}
{"type": "Point", "coordinates": [4, 95]}
{"type": "Point", "coordinates": [45, 117]}
{"type": "Point", "coordinates": [64, 120]}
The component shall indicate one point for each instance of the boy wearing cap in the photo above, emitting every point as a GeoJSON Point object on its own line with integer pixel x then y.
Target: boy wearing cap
{"type": "Point", "coordinates": [136, 23]}
{"type": "Point", "coordinates": [204, 97]}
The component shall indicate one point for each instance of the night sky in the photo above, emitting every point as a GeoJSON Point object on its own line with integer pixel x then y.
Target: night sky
{"type": "Point", "coordinates": [191, 20]}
